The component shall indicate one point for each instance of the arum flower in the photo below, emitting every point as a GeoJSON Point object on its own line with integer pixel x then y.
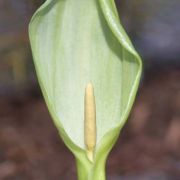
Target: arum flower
{"type": "Point", "coordinates": [89, 73]}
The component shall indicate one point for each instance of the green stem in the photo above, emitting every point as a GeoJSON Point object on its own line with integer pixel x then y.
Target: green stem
{"type": "Point", "coordinates": [90, 171]}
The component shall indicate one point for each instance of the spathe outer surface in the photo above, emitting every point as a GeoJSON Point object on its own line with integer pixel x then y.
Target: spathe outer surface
{"type": "Point", "coordinates": [75, 42]}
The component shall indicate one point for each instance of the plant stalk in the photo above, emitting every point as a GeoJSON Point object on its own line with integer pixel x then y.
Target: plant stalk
{"type": "Point", "coordinates": [90, 171]}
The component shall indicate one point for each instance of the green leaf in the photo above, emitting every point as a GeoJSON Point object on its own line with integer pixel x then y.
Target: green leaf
{"type": "Point", "coordinates": [75, 42]}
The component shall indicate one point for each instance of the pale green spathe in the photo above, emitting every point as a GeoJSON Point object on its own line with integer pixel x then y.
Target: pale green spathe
{"type": "Point", "coordinates": [75, 42]}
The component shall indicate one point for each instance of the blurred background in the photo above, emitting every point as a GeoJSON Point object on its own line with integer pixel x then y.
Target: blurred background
{"type": "Point", "coordinates": [149, 146]}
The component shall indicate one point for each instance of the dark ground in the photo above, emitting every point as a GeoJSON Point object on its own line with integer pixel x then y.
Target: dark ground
{"type": "Point", "coordinates": [148, 149]}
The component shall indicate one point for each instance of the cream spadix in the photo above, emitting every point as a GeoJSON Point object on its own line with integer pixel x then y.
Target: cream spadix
{"type": "Point", "coordinates": [89, 121]}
